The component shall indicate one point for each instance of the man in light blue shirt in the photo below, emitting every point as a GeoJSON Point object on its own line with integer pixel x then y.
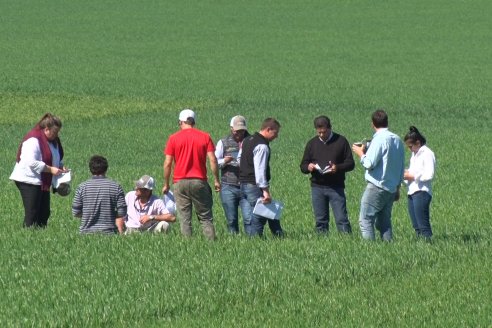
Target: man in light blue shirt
{"type": "Point", "coordinates": [384, 162]}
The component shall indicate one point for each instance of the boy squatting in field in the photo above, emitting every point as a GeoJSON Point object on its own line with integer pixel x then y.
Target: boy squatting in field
{"type": "Point", "coordinates": [99, 201]}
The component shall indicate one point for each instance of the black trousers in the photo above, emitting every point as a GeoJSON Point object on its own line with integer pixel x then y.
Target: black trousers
{"type": "Point", "coordinates": [36, 205]}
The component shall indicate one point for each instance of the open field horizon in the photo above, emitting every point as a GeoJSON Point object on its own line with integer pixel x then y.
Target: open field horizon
{"type": "Point", "coordinates": [119, 72]}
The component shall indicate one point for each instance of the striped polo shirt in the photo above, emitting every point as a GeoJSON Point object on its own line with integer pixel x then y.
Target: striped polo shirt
{"type": "Point", "coordinates": [100, 201]}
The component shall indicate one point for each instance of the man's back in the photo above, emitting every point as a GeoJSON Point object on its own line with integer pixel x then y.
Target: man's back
{"type": "Point", "coordinates": [189, 147]}
{"type": "Point", "coordinates": [100, 201]}
{"type": "Point", "coordinates": [385, 160]}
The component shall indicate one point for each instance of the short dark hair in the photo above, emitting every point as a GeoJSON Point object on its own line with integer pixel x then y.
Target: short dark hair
{"type": "Point", "coordinates": [98, 165]}
{"type": "Point", "coordinates": [190, 121]}
{"type": "Point", "coordinates": [380, 119]}
{"type": "Point", "coordinates": [413, 135]}
{"type": "Point", "coordinates": [322, 122]}
{"type": "Point", "coordinates": [270, 123]}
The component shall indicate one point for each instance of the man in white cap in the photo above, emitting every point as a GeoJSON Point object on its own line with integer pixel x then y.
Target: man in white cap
{"type": "Point", "coordinates": [230, 194]}
{"type": "Point", "coordinates": [145, 211]}
{"type": "Point", "coordinates": [189, 149]}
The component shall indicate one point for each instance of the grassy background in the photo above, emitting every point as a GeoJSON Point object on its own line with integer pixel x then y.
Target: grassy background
{"type": "Point", "coordinates": [118, 73]}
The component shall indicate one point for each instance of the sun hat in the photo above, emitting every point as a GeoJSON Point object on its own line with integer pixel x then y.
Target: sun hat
{"type": "Point", "coordinates": [63, 189]}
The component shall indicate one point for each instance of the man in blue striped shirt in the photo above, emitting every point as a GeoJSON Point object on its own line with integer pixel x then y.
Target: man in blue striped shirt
{"type": "Point", "coordinates": [99, 201]}
{"type": "Point", "coordinates": [384, 162]}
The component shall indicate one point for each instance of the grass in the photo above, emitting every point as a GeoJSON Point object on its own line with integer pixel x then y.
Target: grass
{"type": "Point", "coordinates": [118, 73]}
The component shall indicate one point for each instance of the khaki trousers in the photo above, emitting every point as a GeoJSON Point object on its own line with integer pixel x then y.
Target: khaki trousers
{"type": "Point", "coordinates": [196, 193]}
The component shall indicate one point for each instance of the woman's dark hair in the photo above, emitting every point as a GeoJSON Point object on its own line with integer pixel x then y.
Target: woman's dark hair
{"type": "Point", "coordinates": [49, 120]}
{"type": "Point", "coordinates": [413, 135]}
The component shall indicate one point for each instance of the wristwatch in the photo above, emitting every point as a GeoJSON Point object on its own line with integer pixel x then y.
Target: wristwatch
{"type": "Point", "coordinates": [152, 217]}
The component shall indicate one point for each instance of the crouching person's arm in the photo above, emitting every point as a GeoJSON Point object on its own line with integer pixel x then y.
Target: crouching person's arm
{"type": "Point", "coordinates": [168, 217]}
{"type": "Point", "coordinates": [120, 224]}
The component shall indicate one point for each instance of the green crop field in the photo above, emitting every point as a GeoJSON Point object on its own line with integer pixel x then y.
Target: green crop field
{"type": "Point", "coordinates": [119, 72]}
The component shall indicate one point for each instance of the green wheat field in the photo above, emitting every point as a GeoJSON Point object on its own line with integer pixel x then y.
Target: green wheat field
{"type": "Point", "coordinates": [119, 72]}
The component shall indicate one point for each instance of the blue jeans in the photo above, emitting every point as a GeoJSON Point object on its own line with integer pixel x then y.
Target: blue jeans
{"type": "Point", "coordinates": [324, 196]}
{"type": "Point", "coordinates": [419, 210]}
{"type": "Point", "coordinates": [231, 198]}
{"type": "Point", "coordinates": [375, 210]}
{"type": "Point", "coordinates": [251, 193]}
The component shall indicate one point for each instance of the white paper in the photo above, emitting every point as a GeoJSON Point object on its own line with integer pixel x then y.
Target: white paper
{"type": "Point", "coordinates": [271, 211]}
{"type": "Point", "coordinates": [234, 161]}
{"type": "Point", "coordinates": [234, 154]}
{"type": "Point", "coordinates": [63, 178]}
{"type": "Point", "coordinates": [169, 202]}
{"type": "Point", "coordinates": [323, 171]}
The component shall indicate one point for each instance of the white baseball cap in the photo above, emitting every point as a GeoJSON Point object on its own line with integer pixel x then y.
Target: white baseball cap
{"type": "Point", "coordinates": [185, 114]}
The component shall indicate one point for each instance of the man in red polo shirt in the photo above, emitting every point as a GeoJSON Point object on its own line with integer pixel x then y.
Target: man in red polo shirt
{"type": "Point", "coordinates": [188, 149]}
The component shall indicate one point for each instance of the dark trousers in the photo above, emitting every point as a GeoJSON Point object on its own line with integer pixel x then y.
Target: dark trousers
{"type": "Point", "coordinates": [324, 196]}
{"type": "Point", "coordinates": [36, 205]}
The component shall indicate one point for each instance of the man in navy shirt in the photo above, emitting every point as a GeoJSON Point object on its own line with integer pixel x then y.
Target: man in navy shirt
{"type": "Point", "coordinates": [327, 157]}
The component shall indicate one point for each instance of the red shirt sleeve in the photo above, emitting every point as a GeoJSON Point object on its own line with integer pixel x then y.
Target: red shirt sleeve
{"type": "Point", "coordinates": [210, 145]}
{"type": "Point", "coordinates": [169, 149]}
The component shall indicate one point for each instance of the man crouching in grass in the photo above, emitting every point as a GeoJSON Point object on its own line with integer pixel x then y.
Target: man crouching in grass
{"type": "Point", "coordinates": [146, 212]}
{"type": "Point", "coordinates": [99, 201]}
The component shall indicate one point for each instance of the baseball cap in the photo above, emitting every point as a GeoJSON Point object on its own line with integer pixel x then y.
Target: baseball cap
{"type": "Point", "coordinates": [238, 122]}
{"type": "Point", "coordinates": [146, 182]}
{"type": "Point", "coordinates": [185, 114]}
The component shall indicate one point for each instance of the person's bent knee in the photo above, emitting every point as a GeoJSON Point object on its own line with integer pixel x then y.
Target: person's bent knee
{"type": "Point", "coordinates": [162, 227]}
